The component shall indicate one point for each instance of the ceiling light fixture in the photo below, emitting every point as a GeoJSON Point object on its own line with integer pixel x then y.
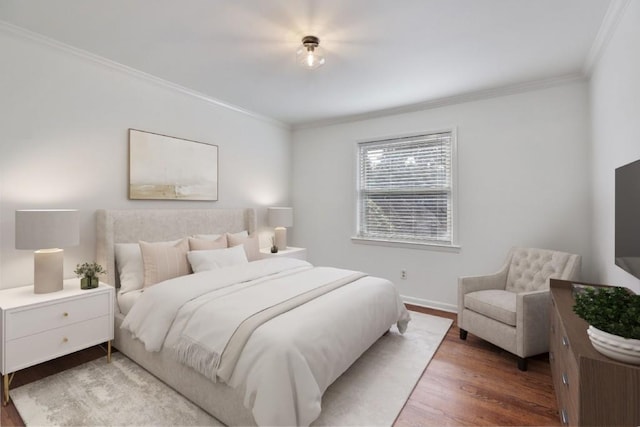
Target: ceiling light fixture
{"type": "Point", "coordinates": [309, 54]}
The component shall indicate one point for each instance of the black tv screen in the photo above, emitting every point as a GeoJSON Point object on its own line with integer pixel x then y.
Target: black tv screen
{"type": "Point", "coordinates": [627, 217]}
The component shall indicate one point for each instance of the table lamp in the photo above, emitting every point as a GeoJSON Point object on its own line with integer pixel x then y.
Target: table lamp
{"type": "Point", "coordinates": [47, 231]}
{"type": "Point", "coordinates": [280, 218]}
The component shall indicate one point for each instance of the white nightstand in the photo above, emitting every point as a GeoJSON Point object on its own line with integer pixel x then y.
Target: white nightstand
{"type": "Point", "coordinates": [35, 328]}
{"type": "Point", "coordinates": [290, 252]}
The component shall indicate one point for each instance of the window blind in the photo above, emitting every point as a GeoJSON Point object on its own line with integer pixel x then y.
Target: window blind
{"type": "Point", "coordinates": [405, 189]}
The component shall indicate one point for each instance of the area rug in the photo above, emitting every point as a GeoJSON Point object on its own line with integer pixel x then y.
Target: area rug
{"type": "Point", "coordinates": [372, 392]}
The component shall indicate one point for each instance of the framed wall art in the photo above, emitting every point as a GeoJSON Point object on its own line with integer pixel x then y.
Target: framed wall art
{"type": "Point", "coordinates": [168, 168]}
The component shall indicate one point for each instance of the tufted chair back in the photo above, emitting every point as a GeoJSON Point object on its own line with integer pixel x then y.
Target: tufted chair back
{"type": "Point", "coordinates": [530, 268]}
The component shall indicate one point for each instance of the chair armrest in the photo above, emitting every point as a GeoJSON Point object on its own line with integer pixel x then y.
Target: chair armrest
{"type": "Point", "coordinates": [482, 283]}
{"type": "Point", "coordinates": [532, 322]}
{"type": "Point", "coordinates": [533, 300]}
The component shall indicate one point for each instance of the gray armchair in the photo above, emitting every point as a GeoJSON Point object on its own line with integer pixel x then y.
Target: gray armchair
{"type": "Point", "coordinates": [511, 307]}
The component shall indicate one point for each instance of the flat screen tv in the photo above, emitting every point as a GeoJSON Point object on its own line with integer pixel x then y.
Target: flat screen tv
{"type": "Point", "coordinates": [627, 217]}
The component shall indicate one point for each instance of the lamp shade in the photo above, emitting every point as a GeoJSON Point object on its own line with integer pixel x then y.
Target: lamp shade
{"type": "Point", "coordinates": [45, 229]}
{"type": "Point", "coordinates": [280, 217]}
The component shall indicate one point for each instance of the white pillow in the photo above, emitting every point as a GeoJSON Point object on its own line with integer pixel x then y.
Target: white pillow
{"type": "Point", "coordinates": [243, 233]}
{"type": "Point", "coordinates": [216, 258]}
{"type": "Point", "coordinates": [130, 267]}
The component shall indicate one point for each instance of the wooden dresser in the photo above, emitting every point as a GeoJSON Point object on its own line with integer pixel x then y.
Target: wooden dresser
{"type": "Point", "coordinates": [592, 390]}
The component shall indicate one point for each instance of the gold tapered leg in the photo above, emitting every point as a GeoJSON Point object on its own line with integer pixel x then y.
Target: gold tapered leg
{"type": "Point", "coordinates": [108, 351]}
{"type": "Point", "coordinates": [5, 398]}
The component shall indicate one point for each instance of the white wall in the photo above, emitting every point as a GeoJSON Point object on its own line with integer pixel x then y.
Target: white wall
{"type": "Point", "coordinates": [64, 123]}
{"type": "Point", "coordinates": [63, 143]}
{"type": "Point", "coordinates": [522, 174]}
{"type": "Point", "coordinates": [615, 118]}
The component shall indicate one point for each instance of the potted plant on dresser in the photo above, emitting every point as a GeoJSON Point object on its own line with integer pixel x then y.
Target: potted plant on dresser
{"type": "Point", "coordinates": [613, 315]}
{"type": "Point", "coordinates": [88, 273]}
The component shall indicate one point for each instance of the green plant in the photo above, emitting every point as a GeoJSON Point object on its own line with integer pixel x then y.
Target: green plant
{"type": "Point", "coordinates": [613, 310]}
{"type": "Point", "coordinates": [89, 270]}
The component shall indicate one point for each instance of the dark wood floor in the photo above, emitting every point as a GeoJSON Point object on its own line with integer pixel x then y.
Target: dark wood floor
{"type": "Point", "coordinates": [467, 383]}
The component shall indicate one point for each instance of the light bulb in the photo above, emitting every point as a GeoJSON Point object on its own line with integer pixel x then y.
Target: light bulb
{"type": "Point", "coordinates": [309, 54]}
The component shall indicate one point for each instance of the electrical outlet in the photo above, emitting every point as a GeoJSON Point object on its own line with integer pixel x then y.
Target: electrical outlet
{"type": "Point", "coordinates": [403, 274]}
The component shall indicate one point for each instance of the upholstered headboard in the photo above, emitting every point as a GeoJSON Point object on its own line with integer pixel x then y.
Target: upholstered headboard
{"type": "Point", "coordinates": [154, 225]}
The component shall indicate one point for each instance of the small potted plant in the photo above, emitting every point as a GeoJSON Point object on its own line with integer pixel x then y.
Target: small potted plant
{"type": "Point", "coordinates": [613, 315]}
{"type": "Point", "coordinates": [88, 273]}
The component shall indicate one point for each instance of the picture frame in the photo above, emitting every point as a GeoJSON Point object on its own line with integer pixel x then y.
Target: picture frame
{"type": "Point", "coordinates": [163, 167]}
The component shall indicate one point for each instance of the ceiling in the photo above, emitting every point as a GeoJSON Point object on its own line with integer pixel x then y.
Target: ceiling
{"type": "Point", "coordinates": [380, 54]}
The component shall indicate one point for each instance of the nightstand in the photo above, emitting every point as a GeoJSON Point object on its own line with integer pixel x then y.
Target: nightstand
{"type": "Point", "coordinates": [35, 328]}
{"type": "Point", "coordinates": [290, 252]}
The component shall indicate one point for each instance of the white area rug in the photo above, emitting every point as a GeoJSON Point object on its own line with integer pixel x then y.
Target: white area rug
{"type": "Point", "coordinates": [372, 392]}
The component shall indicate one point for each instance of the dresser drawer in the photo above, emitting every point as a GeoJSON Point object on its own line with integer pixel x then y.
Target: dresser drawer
{"type": "Point", "coordinates": [569, 386]}
{"type": "Point", "coordinates": [564, 370]}
{"type": "Point", "coordinates": [35, 319]}
{"type": "Point", "coordinates": [592, 389]}
{"type": "Point", "coordinates": [26, 351]}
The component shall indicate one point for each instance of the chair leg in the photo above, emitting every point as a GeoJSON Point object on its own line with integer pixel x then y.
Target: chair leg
{"type": "Point", "coordinates": [522, 363]}
{"type": "Point", "coordinates": [463, 334]}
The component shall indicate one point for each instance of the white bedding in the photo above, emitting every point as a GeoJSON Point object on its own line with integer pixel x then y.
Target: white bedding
{"type": "Point", "coordinates": [126, 300]}
{"type": "Point", "coordinates": [288, 362]}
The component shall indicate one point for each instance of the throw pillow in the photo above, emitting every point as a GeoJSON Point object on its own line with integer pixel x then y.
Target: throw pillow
{"type": "Point", "coordinates": [207, 244]}
{"type": "Point", "coordinates": [164, 260]}
{"type": "Point", "coordinates": [250, 243]}
{"type": "Point", "coordinates": [204, 260]}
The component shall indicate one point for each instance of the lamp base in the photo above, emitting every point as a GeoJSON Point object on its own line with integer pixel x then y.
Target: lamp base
{"type": "Point", "coordinates": [47, 274]}
{"type": "Point", "coordinates": [281, 238]}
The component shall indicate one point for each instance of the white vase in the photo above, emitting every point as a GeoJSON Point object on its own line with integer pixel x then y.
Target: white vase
{"type": "Point", "coordinates": [625, 350]}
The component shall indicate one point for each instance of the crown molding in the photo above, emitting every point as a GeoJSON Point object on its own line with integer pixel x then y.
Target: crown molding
{"type": "Point", "coordinates": [450, 100]}
{"type": "Point", "coordinates": [42, 39]}
{"type": "Point", "coordinates": [610, 22]}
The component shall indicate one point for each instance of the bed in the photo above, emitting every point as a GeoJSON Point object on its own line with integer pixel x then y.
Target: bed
{"type": "Point", "coordinates": [282, 366]}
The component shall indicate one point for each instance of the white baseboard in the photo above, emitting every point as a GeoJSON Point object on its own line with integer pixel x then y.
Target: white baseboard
{"type": "Point", "coordinates": [430, 304]}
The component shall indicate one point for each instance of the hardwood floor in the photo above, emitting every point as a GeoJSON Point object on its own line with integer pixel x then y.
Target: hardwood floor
{"type": "Point", "coordinates": [467, 383]}
{"type": "Point", "coordinates": [474, 383]}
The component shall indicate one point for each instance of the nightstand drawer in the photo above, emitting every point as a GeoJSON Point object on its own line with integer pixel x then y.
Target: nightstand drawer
{"type": "Point", "coordinates": [32, 349]}
{"type": "Point", "coordinates": [35, 319]}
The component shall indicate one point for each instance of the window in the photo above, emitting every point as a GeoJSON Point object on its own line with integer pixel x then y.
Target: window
{"type": "Point", "coordinates": [405, 189]}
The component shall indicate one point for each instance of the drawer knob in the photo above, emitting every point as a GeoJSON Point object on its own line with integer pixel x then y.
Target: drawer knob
{"type": "Point", "coordinates": [65, 339]}
{"type": "Point", "coordinates": [565, 341]}
{"type": "Point", "coordinates": [564, 417]}
{"type": "Point", "coordinates": [65, 314]}
{"type": "Point", "coordinates": [565, 379]}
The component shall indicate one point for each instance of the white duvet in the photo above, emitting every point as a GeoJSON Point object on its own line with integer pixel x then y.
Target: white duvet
{"type": "Point", "coordinates": [288, 362]}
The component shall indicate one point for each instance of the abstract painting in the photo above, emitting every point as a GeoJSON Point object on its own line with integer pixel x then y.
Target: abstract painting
{"type": "Point", "coordinates": [167, 168]}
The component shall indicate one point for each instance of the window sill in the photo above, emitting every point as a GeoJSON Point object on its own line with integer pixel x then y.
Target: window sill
{"type": "Point", "coordinates": [408, 245]}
